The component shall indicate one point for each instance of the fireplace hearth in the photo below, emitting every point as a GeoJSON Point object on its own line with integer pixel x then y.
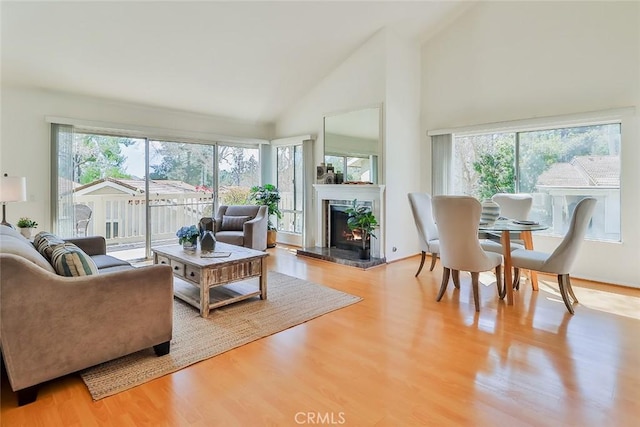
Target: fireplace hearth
{"type": "Point", "coordinates": [340, 256]}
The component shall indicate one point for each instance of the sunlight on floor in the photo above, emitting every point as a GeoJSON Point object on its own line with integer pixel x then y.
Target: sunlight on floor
{"type": "Point", "coordinates": [606, 301]}
{"type": "Point", "coordinates": [487, 278]}
{"type": "Point", "coordinates": [609, 302]}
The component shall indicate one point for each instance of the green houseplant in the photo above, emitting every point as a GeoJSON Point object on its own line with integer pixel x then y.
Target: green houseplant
{"type": "Point", "coordinates": [362, 222]}
{"type": "Point", "coordinates": [268, 195]}
{"type": "Point", "coordinates": [25, 225]}
{"type": "Point", "coordinates": [25, 222]}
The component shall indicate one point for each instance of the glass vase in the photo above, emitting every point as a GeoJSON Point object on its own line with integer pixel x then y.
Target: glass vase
{"type": "Point", "coordinates": [190, 245]}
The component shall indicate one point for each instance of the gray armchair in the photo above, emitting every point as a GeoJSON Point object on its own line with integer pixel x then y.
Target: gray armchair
{"type": "Point", "coordinates": [240, 225]}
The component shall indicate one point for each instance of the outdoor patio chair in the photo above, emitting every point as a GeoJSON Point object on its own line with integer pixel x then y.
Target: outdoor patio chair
{"type": "Point", "coordinates": [82, 214]}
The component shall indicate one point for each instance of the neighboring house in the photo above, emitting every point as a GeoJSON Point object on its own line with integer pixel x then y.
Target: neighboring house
{"type": "Point", "coordinates": [594, 176]}
{"type": "Point", "coordinates": [119, 213]}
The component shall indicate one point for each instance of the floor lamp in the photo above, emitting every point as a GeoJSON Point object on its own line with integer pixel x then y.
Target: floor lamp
{"type": "Point", "coordinates": [12, 189]}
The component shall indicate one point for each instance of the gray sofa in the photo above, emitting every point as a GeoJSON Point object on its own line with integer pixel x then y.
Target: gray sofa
{"type": "Point", "coordinates": [52, 325]}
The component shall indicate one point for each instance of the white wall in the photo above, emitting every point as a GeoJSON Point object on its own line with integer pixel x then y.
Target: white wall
{"type": "Point", "coordinates": [383, 70]}
{"type": "Point", "coordinates": [516, 60]}
{"type": "Point", "coordinates": [359, 81]}
{"type": "Point", "coordinates": [402, 145]}
{"type": "Point", "coordinates": [25, 145]}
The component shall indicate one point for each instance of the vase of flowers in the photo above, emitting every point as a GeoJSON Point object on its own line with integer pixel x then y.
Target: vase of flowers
{"type": "Point", "coordinates": [188, 237]}
{"type": "Point", "coordinates": [26, 225]}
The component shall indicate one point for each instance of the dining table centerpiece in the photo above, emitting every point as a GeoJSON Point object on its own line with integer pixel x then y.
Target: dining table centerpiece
{"type": "Point", "coordinates": [188, 237]}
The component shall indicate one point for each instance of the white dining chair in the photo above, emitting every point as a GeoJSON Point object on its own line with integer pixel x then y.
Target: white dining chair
{"type": "Point", "coordinates": [514, 206]}
{"type": "Point", "coordinates": [426, 227]}
{"type": "Point", "coordinates": [562, 258]}
{"type": "Point", "coordinates": [458, 218]}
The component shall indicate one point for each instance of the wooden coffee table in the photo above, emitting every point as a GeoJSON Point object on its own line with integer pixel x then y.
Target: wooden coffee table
{"type": "Point", "coordinates": [207, 283]}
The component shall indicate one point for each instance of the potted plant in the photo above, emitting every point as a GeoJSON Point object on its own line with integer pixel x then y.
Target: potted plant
{"type": "Point", "coordinates": [25, 225]}
{"type": "Point", "coordinates": [362, 222]}
{"type": "Point", "coordinates": [267, 195]}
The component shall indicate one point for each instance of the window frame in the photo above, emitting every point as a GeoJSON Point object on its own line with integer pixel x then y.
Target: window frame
{"type": "Point", "coordinates": [614, 116]}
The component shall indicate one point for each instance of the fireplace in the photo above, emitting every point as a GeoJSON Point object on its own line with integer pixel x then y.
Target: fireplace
{"type": "Point", "coordinates": [331, 201]}
{"type": "Point", "coordinates": [342, 195]}
{"type": "Point", "coordinates": [339, 234]}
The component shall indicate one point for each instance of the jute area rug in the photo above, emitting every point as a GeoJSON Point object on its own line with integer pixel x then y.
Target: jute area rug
{"type": "Point", "coordinates": [290, 301]}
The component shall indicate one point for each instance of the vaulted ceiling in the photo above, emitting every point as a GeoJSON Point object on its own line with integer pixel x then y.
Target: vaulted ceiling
{"type": "Point", "coordinates": [241, 60]}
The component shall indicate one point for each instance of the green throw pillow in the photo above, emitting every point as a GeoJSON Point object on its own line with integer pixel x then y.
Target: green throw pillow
{"type": "Point", "coordinates": [69, 260]}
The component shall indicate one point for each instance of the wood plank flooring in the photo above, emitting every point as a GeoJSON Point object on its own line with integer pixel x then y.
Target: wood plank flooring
{"type": "Point", "coordinates": [398, 358]}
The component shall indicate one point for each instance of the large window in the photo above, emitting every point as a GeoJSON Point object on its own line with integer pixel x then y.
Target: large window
{"type": "Point", "coordinates": [238, 171]}
{"type": "Point", "coordinates": [559, 167]}
{"type": "Point", "coordinates": [289, 182]}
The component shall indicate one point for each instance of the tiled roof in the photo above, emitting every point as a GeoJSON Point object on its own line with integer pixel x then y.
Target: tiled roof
{"type": "Point", "coordinates": [159, 186]}
{"type": "Point", "coordinates": [155, 186]}
{"type": "Point", "coordinates": [601, 170]}
{"type": "Point", "coordinates": [583, 171]}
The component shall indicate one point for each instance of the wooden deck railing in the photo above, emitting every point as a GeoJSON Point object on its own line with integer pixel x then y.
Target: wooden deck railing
{"type": "Point", "coordinates": [122, 218]}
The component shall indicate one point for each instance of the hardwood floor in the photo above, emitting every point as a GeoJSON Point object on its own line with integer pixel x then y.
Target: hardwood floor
{"type": "Point", "coordinates": [397, 358]}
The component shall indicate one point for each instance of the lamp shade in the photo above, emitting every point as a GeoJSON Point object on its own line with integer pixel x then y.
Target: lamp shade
{"type": "Point", "coordinates": [13, 189]}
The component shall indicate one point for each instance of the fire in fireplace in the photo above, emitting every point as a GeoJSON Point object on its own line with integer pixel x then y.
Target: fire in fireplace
{"type": "Point", "coordinates": [340, 236]}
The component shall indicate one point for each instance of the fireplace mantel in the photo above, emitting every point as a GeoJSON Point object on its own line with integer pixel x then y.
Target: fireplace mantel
{"type": "Point", "coordinates": [363, 193]}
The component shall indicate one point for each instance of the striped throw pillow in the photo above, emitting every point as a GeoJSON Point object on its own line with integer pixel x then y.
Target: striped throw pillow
{"type": "Point", "coordinates": [233, 223]}
{"type": "Point", "coordinates": [44, 243]}
{"type": "Point", "coordinates": [69, 260]}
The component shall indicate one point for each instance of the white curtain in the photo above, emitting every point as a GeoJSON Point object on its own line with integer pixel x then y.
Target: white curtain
{"type": "Point", "coordinates": [441, 167]}
{"type": "Point", "coordinates": [62, 179]}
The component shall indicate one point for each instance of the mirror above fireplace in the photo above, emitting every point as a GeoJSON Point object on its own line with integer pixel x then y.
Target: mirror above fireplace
{"type": "Point", "coordinates": [352, 144]}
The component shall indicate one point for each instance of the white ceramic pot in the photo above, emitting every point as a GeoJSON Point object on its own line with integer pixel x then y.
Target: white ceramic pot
{"type": "Point", "coordinates": [26, 232]}
{"type": "Point", "coordinates": [490, 211]}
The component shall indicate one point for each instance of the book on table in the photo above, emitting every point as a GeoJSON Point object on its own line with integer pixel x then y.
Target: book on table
{"type": "Point", "coordinates": [215, 255]}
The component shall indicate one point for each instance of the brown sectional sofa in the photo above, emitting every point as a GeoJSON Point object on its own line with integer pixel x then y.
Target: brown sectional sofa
{"type": "Point", "coordinates": [52, 325]}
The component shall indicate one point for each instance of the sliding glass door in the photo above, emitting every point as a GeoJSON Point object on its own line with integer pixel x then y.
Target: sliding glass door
{"type": "Point", "coordinates": [289, 182]}
{"type": "Point", "coordinates": [137, 192]}
{"type": "Point", "coordinates": [101, 188]}
{"type": "Point", "coordinates": [181, 187]}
